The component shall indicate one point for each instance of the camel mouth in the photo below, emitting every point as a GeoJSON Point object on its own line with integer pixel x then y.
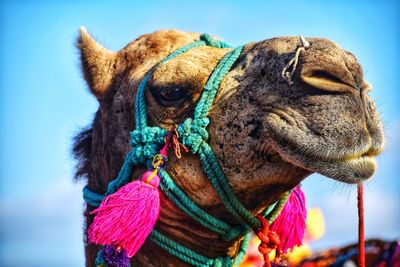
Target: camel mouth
{"type": "Point", "coordinates": [362, 168]}
{"type": "Point", "coordinates": [362, 165]}
{"type": "Point", "coordinates": [349, 166]}
{"type": "Point", "coordinates": [371, 152]}
{"type": "Point", "coordinates": [351, 170]}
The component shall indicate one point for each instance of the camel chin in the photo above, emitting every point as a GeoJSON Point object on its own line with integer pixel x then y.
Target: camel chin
{"type": "Point", "coordinates": [349, 170]}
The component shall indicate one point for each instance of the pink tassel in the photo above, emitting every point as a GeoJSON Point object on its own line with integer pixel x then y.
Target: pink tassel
{"type": "Point", "coordinates": [126, 218]}
{"type": "Point", "coordinates": [291, 222]}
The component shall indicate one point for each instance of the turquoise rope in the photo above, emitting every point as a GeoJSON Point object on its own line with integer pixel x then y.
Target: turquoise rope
{"type": "Point", "coordinates": [211, 41]}
{"type": "Point", "coordinates": [176, 249]}
{"type": "Point", "coordinates": [213, 170]}
{"type": "Point", "coordinates": [99, 259]}
{"type": "Point", "coordinates": [193, 257]}
{"type": "Point", "coordinates": [213, 83]}
{"type": "Point", "coordinates": [147, 141]}
{"type": "Point", "coordinates": [272, 212]}
{"type": "Point", "coordinates": [186, 204]}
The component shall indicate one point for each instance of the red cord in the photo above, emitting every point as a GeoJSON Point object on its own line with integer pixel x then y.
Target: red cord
{"type": "Point", "coordinates": [361, 248]}
{"type": "Point", "coordinates": [269, 240]}
{"type": "Point", "coordinates": [172, 140]}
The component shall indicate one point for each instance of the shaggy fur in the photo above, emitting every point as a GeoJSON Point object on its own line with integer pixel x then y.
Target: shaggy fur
{"type": "Point", "coordinates": [268, 135]}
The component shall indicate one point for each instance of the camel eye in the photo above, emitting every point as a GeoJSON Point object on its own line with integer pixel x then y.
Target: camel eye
{"type": "Point", "coordinates": [171, 95]}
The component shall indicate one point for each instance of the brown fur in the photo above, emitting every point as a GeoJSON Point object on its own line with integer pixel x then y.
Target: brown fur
{"type": "Point", "coordinates": [268, 136]}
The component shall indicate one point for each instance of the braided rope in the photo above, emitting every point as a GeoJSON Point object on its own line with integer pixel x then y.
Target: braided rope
{"type": "Point", "coordinates": [212, 85]}
{"type": "Point", "coordinates": [211, 41]}
{"type": "Point", "coordinates": [221, 185]}
{"type": "Point", "coordinates": [195, 258]}
{"type": "Point", "coordinates": [178, 250]}
{"type": "Point", "coordinates": [186, 204]}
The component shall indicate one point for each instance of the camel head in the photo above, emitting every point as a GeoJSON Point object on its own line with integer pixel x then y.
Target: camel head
{"type": "Point", "coordinates": [268, 132]}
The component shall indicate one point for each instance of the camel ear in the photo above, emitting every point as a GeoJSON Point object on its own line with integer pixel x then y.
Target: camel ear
{"type": "Point", "coordinates": [97, 63]}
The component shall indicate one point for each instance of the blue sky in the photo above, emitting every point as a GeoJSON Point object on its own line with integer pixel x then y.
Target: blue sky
{"type": "Point", "coordinates": [44, 101]}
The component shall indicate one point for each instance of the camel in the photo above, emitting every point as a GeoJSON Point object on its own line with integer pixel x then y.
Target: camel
{"type": "Point", "coordinates": [268, 133]}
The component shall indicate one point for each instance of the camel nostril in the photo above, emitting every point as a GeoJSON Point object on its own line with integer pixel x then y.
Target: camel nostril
{"type": "Point", "coordinates": [327, 80]}
{"type": "Point", "coordinates": [323, 75]}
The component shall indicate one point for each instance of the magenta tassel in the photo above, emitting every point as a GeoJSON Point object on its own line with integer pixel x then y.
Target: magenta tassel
{"type": "Point", "coordinates": [291, 222]}
{"type": "Point", "coordinates": [125, 218]}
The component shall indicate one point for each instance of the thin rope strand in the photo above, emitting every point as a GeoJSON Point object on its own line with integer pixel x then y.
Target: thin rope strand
{"type": "Point", "coordinates": [361, 240]}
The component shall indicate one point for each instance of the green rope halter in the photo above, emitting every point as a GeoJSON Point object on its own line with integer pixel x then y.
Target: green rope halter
{"type": "Point", "coordinates": [146, 141]}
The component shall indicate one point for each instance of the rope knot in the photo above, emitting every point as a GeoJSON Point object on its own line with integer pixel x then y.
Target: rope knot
{"type": "Point", "coordinates": [147, 142]}
{"type": "Point", "coordinates": [269, 240]}
{"type": "Point", "coordinates": [172, 141]}
{"type": "Point", "coordinates": [193, 132]}
{"type": "Point", "coordinates": [213, 42]}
